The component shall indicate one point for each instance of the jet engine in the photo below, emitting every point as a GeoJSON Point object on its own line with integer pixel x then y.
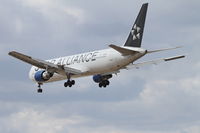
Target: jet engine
{"type": "Point", "coordinates": [42, 76]}
{"type": "Point", "coordinates": [99, 78]}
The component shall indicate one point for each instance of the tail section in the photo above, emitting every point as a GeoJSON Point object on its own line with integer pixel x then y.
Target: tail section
{"type": "Point", "coordinates": [136, 34]}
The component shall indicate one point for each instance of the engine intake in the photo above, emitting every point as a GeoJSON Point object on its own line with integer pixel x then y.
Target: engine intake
{"type": "Point", "coordinates": [98, 78]}
{"type": "Point", "coordinates": [42, 76]}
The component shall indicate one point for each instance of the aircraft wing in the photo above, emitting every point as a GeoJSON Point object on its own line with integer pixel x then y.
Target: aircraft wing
{"type": "Point", "coordinates": [45, 64]}
{"type": "Point", "coordinates": [165, 49]}
{"type": "Point", "coordinates": [155, 62]}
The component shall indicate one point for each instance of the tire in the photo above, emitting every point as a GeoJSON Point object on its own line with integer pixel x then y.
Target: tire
{"type": "Point", "coordinates": [100, 85]}
{"type": "Point", "coordinates": [107, 82]}
{"type": "Point", "coordinates": [65, 84]}
{"type": "Point", "coordinates": [73, 82]}
{"type": "Point", "coordinates": [39, 90]}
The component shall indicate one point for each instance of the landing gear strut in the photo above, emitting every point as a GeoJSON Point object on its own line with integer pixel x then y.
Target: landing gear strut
{"type": "Point", "coordinates": [39, 88]}
{"type": "Point", "coordinates": [69, 82]}
{"type": "Point", "coordinates": [104, 83]}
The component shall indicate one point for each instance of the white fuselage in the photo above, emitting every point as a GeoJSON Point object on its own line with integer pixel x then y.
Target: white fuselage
{"type": "Point", "coordinates": [92, 63]}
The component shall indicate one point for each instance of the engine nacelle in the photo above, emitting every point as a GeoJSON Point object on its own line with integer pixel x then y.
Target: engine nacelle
{"type": "Point", "coordinates": [98, 78]}
{"type": "Point", "coordinates": [42, 76]}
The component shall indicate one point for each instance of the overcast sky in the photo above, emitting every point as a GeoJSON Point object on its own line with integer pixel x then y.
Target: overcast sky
{"type": "Point", "coordinates": [160, 98]}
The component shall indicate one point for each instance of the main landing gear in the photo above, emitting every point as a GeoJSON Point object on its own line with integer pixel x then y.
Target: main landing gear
{"type": "Point", "coordinates": [104, 83]}
{"type": "Point", "coordinates": [102, 80]}
{"type": "Point", "coordinates": [69, 82]}
{"type": "Point", "coordinates": [39, 88]}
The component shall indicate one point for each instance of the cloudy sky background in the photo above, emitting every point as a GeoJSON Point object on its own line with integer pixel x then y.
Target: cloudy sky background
{"type": "Point", "coordinates": [153, 99]}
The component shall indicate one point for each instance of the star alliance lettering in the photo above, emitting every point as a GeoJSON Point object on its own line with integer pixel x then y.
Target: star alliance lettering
{"type": "Point", "coordinates": [87, 57]}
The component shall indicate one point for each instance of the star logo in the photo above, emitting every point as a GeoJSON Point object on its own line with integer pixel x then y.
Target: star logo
{"type": "Point", "coordinates": [136, 32]}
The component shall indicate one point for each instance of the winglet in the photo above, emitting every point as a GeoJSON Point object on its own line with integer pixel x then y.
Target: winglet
{"type": "Point", "coordinates": [174, 58]}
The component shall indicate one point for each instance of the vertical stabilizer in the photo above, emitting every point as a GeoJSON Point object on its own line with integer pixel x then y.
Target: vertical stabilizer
{"type": "Point", "coordinates": [136, 34]}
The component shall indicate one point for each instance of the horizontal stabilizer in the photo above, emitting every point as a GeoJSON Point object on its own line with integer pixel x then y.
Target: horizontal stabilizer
{"type": "Point", "coordinates": [124, 51]}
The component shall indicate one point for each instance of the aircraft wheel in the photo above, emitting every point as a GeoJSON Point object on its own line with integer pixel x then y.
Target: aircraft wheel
{"type": "Point", "coordinates": [73, 82]}
{"type": "Point", "coordinates": [66, 84]}
{"type": "Point", "coordinates": [69, 83]}
{"type": "Point", "coordinates": [107, 82]}
{"type": "Point", "coordinates": [100, 85]}
{"type": "Point", "coordinates": [39, 90]}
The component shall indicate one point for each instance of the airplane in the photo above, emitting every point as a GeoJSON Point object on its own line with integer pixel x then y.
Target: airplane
{"type": "Point", "coordinates": [101, 64]}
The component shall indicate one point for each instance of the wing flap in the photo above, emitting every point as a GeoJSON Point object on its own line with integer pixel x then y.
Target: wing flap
{"type": "Point", "coordinates": [72, 70]}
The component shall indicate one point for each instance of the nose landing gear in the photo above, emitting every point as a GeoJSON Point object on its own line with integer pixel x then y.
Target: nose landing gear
{"type": "Point", "coordinates": [39, 88]}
